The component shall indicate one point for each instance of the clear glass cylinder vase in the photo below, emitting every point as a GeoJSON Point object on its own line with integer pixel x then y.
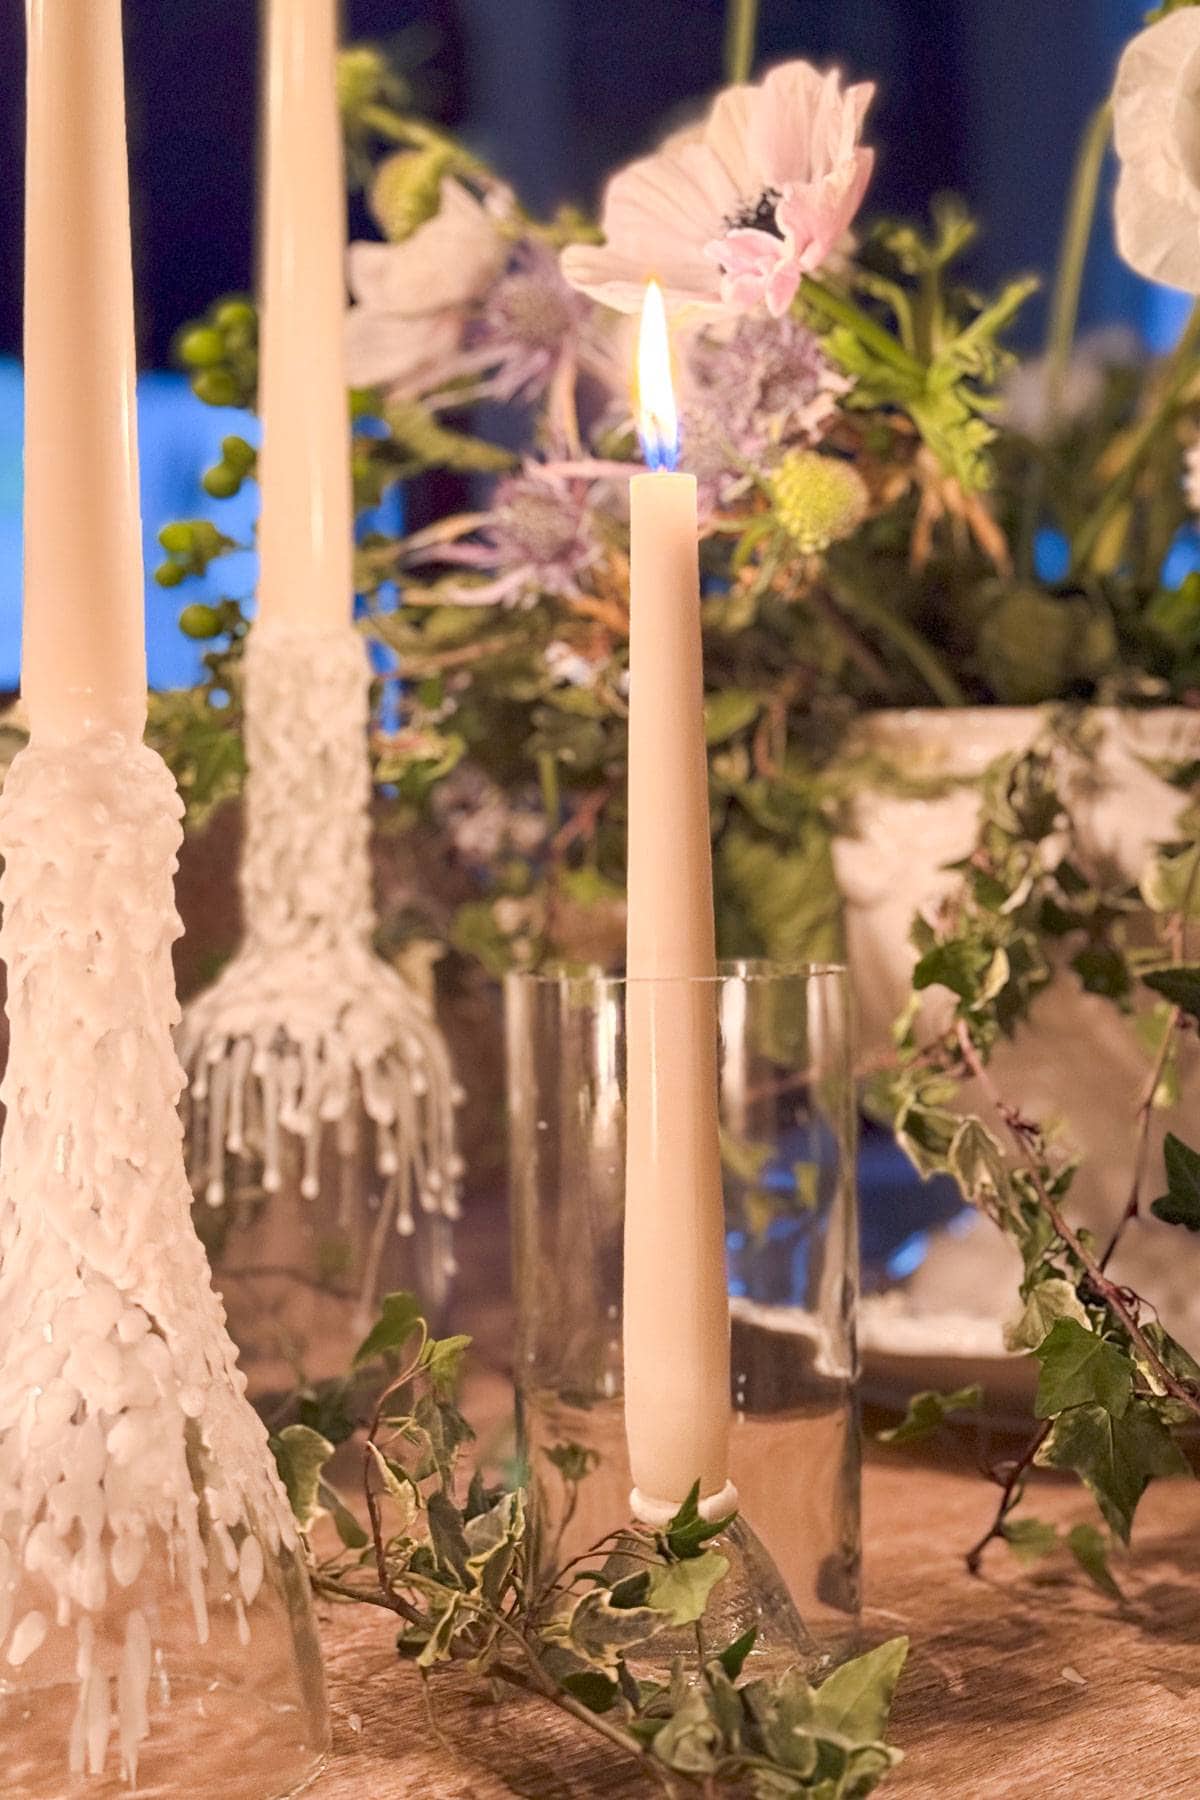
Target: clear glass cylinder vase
{"type": "Point", "coordinates": [787, 1130]}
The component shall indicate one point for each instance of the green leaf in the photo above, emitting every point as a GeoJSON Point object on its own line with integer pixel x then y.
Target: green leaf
{"type": "Point", "coordinates": [574, 1462]}
{"type": "Point", "coordinates": [442, 1361]}
{"type": "Point", "coordinates": [977, 1163]}
{"type": "Point", "coordinates": [682, 1589]}
{"type": "Point", "coordinates": [688, 1532]}
{"type": "Point", "coordinates": [345, 1523]}
{"type": "Point", "coordinates": [856, 1699]}
{"type": "Point", "coordinates": [300, 1455]}
{"type": "Point", "coordinates": [1080, 1368]}
{"type": "Point", "coordinates": [1030, 1539]}
{"type": "Point", "coordinates": [601, 1632]}
{"type": "Point", "coordinates": [1089, 1547]}
{"type": "Point", "coordinates": [399, 1317]}
{"type": "Point", "coordinates": [727, 712]}
{"type": "Point", "coordinates": [448, 1536]}
{"type": "Point", "coordinates": [1171, 883]}
{"type": "Point", "coordinates": [959, 965]}
{"type": "Point", "coordinates": [593, 1689]}
{"type": "Point", "coordinates": [732, 1659]}
{"type": "Point", "coordinates": [928, 1411]}
{"type": "Point", "coordinates": [1102, 969]}
{"type": "Point", "coordinates": [690, 1741]}
{"type": "Point", "coordinates": [1180, 986]}
{"type": "Point", "coordinates": [1048, 1302]}
{"type": "Point", "coordinates": [1180, 1205]}
{"type": "Point", "coordinates": [1115, 1458]}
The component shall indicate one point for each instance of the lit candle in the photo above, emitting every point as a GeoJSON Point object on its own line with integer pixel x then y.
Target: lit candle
{"type": "Point", "coordinates": [676, 1313]}
{"type": "Point", "coordinates": [83, 651]}
{"type": "Point", "coordinates": [305, 530]}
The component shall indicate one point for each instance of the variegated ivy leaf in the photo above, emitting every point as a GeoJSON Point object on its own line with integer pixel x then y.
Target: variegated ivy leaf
{"type": "Point", "coordinates": [1048, 1302]}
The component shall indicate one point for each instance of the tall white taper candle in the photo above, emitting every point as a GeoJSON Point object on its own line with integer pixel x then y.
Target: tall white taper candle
{"type": "Point", "coordinates": [83, 650]}
{"type": "Point", "coordinates": [305, 531]}
{"type": "Point", "coordinates": [676, 1311]}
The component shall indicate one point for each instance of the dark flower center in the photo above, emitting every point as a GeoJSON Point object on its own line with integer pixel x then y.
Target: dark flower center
{"type": "Point", "coordinates": [758, 215]}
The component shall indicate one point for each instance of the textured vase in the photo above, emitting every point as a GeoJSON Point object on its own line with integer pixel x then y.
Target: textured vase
{"type": "Point", "coordinates": [320, 1111]}
{"type": "Point", "coordinates": [155, 1625]}
{"type": "Point", "coordinates": [1078, 1060]}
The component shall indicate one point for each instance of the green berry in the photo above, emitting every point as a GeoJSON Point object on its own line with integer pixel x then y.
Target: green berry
{"type": "Point", "coordinates": [199, 621]}
{"type": "Point", "coordinates": [238, 454]}
{"type": "Point", "coordinates": [168, 575]}
{"type": "Point", "coordinates": [201, 346]}
{"type": "Point", "coordinates": [236, 318]}
{"type": "Point", "coordinates": [221, 481]}
{"type": "Point", "coordinates": [216, 387]}
{"type": "Point", "coordinates": [179, 538]}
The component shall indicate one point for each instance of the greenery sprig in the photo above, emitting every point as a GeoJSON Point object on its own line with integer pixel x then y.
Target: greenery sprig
{"type": "Point", "coordinates": [1113, 1386]}
{"type": "Point", "coordinates": [450, 1558]}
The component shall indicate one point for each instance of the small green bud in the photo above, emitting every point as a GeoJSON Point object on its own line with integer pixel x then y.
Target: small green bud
{"type": "Point", "coordinates": [818, 500]}
{"type": "Point", "coordinates": [238, 454]}
{"type": "Point", "coordinates": [201, 346]}
{"type": "Point", "coordinates": [407, 191]}
{"type": "Point", "coordinates": [179, 538]}
{"type": "Point", "coordinates": [221, 481]}
{"type": "Point", "coordinates": [235, 318]}
{"type": "Point", "coordinates": [169, 575]}
{"type": "Point", "coordinates": [199, 621]}
{"type": "Point", "coordinates": [216, 387]}
{"type": "Point", "coordinates": [362, 78]}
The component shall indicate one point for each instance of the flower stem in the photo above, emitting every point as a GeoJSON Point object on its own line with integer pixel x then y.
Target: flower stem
{"type": "Point", "coordinates": [741, 34]}
{"type": "Point", "coordinates": [920, 655]}
{"type": "Point", "coordinates": [1181, 367]}
{"type": "Point", "coordinates": [839, 309]}
{"type": "Point", "coordinates": [1077, 235]}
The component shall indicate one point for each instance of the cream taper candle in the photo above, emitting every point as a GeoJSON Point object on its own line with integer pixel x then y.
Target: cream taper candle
{"type": "Point", "coordinates": [83, 646]}
{"type": "Point", "coordinates": [676, 1311]}
{"type": "Point", "coordinates": [305, 533]}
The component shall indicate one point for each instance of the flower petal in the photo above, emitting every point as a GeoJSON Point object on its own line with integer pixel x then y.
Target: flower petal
{"type": "Point", "coordinates": [386, 350]}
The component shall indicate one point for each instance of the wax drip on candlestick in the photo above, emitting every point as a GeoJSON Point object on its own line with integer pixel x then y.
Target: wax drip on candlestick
{"type": "Point", "coordinates": [321, 1112]}
{"type": "Point", "coordinates": [155, 1624]}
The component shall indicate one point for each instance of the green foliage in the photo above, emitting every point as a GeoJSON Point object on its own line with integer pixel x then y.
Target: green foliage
{"type": "Point", "coordinates": [1180, 1205]}
{"type": "Point", "coordinates": [1113, 1386]}
{"type": "Point", "coordinates": [453, 1565]}
{"type": "Point", "coordinates": [928, 1412]}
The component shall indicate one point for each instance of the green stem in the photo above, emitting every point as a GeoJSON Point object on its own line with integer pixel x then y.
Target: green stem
{"type": "Point", "coordinates": [911, 645]}
{"type": "Point", "coordinates": [741, 34]}
{"type": "Point", "coordinates": [1077, 235]}
{"type": "Point", "coordinates": [841, 310]}
{"type": "Point", "coordinates": [1181, 368]}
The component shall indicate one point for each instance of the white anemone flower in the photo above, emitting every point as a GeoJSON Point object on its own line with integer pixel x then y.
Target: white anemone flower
{"type": "Point", "coordinates": [410, 298]}
{"type": "Point", "coordinates": [1156, 107]}
{"type": "Point", "coordinates": [734, 213]}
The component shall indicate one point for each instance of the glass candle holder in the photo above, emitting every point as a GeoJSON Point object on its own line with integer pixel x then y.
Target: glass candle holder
{"type": "Point", "coordinates": [787, 1127]}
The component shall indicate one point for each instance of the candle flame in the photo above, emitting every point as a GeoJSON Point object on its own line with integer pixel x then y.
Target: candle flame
{"type": "Point", "coordinates": [658, 417]}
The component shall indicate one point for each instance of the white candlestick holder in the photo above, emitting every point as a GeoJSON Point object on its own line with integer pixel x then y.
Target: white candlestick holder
{"type": "Point", "coordinates": [155, 1627]}
{"type": "Point", "coordinates": [320, 1115]}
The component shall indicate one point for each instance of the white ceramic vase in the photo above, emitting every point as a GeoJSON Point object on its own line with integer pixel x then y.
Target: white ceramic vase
{"type": "Point", "coordinates": [1078, 1060]}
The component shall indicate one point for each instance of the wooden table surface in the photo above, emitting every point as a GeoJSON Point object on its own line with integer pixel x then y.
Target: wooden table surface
{"type": "Point", "coordinates": [1019, 1685]}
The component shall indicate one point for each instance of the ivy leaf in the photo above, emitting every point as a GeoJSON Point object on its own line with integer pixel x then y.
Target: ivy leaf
{"type": "Point", "coordinates": [442, 1361]}
{"type": "Point", "coordinates": [1180, 1205]}
{"type": "Point", "coordinates": [927, 1411]}
{"type": "Point", "coordinates": [300, 1455]}
{"type": "Point", "coordinates": [856, 1699]}
{"type": "Point", "coordinates": [682, 1589]}
{"type": "Point", "coordinates": [1048, 1302]}
{"type": "Point", "coordinates": [728, 712]}
{"type": "Point", "coordinates": [1115, 1458]}
{"type": "Point", "coordinates": [1090, 1550]}
{"type": "Point", "coordinates": [593, 1689]}
{"type": "Point", "coordinates": [1080, 1368]}
{"type": "Point", "coordinates": [448, 1537]}
{"type": "Point", "coordinates": [977, 1163]}
{"type": "Point", "coordinates": [1102, 969]}
{"type": "Point", "coordinates": [960, 965]}
{"type": "Point", "coordinates": [690, 1741]}
{"type": "Point", "coordinates": [1030, 1539]}
{"type": "Point", "coordinates": [399, 1317]}
{"type": "Point", "coordinates": [1180, 986]}
{"type": "Point", "coordinates": [574, 1462]}
{"type": "Point", "coordinates": [345, 1523]}
{"type": "Point", "coordinates": [688, 1532]}
{"type": "Point", "coordinates": [601, 1632]}
{"type": "Point", "coordinates": [732, 1659]}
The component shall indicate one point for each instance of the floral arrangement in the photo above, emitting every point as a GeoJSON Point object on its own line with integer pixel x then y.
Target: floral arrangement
{"type": "Point", "coordinates": [883, 487]}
